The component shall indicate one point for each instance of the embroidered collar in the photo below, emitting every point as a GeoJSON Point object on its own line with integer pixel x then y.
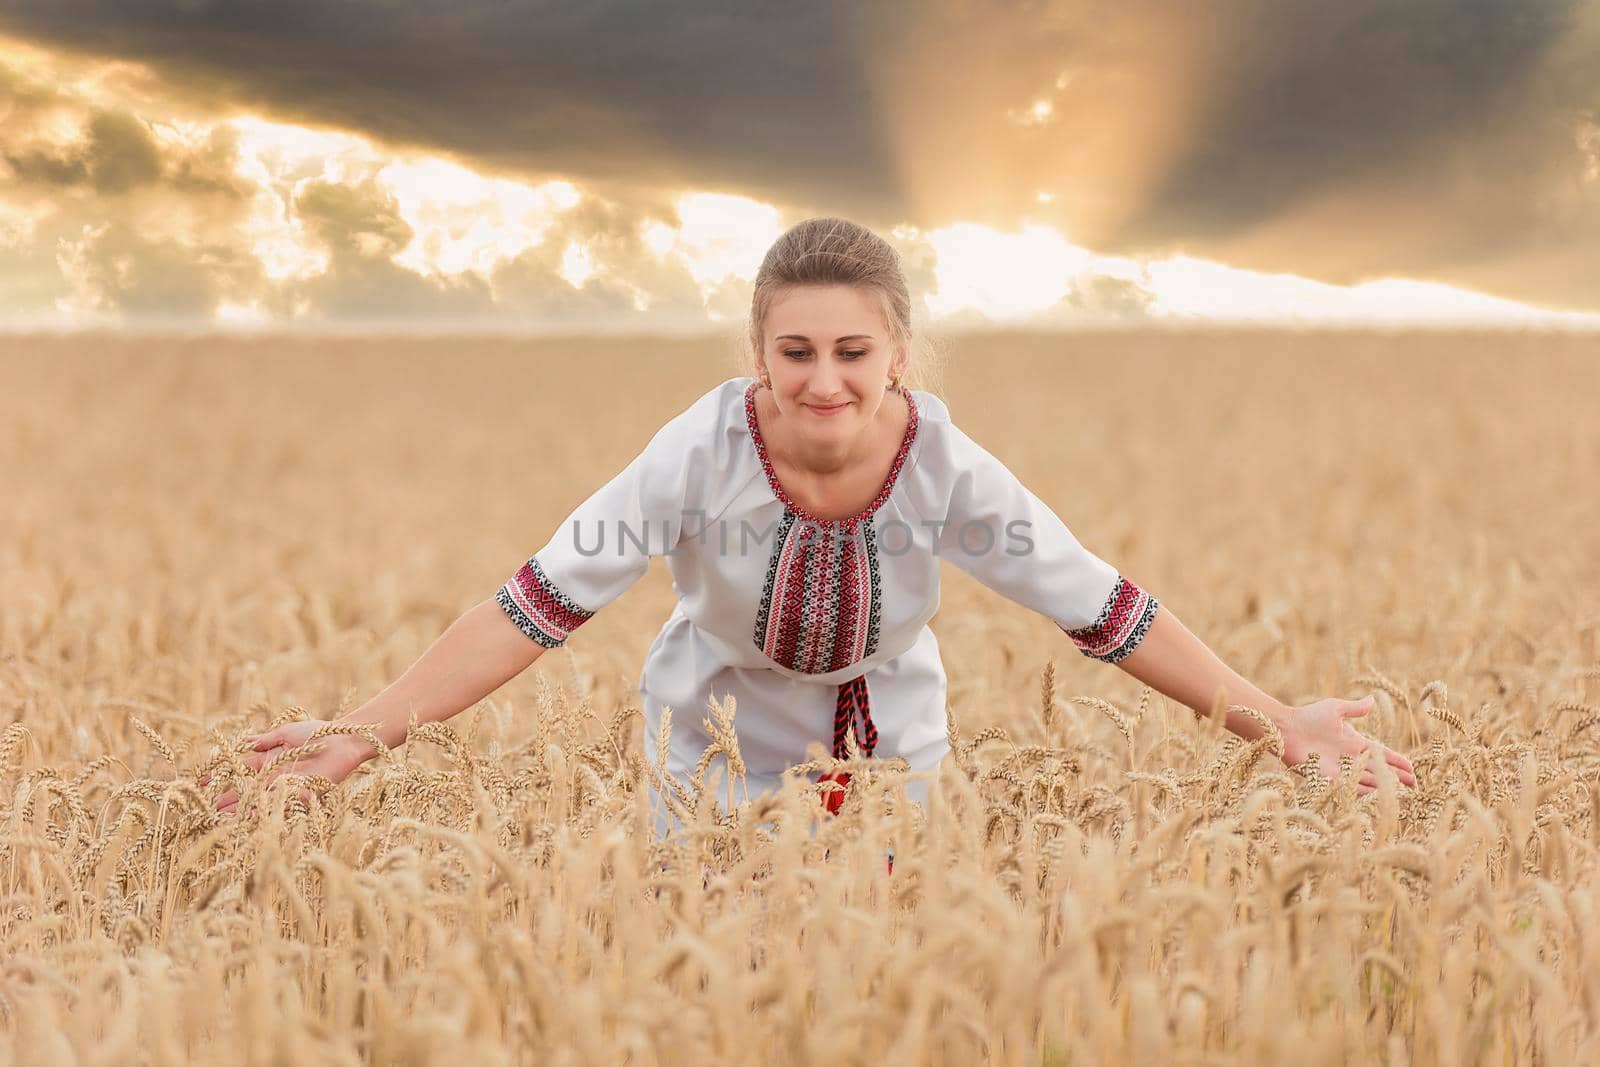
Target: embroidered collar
{"type": "Point", "coordinates": [777, 490]}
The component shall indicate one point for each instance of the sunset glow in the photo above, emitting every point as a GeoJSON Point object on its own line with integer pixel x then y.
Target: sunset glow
{"type": "Point", "coordinates": [463, 221]}
{"type": "Point", "coordinates": [246, 221]}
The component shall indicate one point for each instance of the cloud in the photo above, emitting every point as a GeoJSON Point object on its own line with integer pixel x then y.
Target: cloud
{"type": "Point", "coordinates": [1440, 139]}
{"type": "Point", "coordinates": [630, 282]}
{"type": "Point", "coordinates": [173, 217]}
{"type": "Point", "coordinates": [354, 221]}
{"type": "Point", "coordinates": [338, 162]}
{"type": "Point", "coordinates": [113, 268]}
{"type": "Point", "coordinates": [107, 218]}
{"type": "Point", "coordinates": [762, 98]}
{"type": "Point", "coordinates": [1301, 98]}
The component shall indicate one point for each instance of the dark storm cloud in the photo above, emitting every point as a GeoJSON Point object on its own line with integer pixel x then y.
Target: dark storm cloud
{"type": "Point", "coordinates": [114, 153]}
{"type": "Point", "coordinates": [1451, 140]}
{"type": "Point", "coordinates": [1436, 139]}
{"type": "Point", "coordinates": [1447, 140]}
{"type": "Point", "coordinates": [99, 217]}
{"type": "Point", "coordinates": [1309, 96]}
{"type": "Point", "coordinates": [765, 98]}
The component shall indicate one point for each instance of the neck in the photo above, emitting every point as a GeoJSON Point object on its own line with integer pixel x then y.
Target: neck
{"type": "Point", "coordinates": [822, 458]}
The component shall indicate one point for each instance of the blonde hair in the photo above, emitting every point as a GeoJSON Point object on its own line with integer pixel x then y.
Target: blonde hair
{"type": "Point", "coordinates": [833, 251]}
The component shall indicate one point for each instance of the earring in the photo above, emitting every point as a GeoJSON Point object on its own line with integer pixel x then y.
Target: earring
{"type": "Point", "coordinates": [766, 380]}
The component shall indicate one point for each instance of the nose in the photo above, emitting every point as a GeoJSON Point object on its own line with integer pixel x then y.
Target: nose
{"type": "Point", "coordinates": [825, 381]}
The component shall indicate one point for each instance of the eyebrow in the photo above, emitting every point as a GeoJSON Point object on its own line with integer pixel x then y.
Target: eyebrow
{"type": "Point", "coordinates": [803, 337]}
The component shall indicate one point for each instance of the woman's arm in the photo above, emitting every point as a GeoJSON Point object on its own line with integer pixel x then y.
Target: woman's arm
{"type": "Point", "coordinates": [1175, 662]}
{"type": "Point", "coordinates": [477, 654]}
{"type": "Point", "coordinates": [555, 591]}
{"type": "Point", "coordinates": [1025, 552]}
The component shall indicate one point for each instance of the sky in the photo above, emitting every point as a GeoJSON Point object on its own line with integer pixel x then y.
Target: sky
{"type": "Point", "coordinates": [606, 166]}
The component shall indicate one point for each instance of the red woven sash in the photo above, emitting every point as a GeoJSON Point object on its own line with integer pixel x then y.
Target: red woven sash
{"type": "Point", "coordinates": [852, 709]}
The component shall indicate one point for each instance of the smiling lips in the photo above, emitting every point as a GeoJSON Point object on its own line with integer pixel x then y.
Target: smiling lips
{"type": "Point", "coordinates": [828, 411]}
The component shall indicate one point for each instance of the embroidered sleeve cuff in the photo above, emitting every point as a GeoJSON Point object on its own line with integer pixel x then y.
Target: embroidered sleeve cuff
{"type": "Point", "coordinates": [1123, 621]}
{"type": "Point", "coordinates": [539, 609]}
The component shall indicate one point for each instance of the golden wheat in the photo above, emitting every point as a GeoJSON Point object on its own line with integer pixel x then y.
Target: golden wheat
{"type": "Point", "coordinates": [1088, 884]}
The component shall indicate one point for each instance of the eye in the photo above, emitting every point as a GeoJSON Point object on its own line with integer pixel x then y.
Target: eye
{"type": "Point", "coordinates": [801, 353]}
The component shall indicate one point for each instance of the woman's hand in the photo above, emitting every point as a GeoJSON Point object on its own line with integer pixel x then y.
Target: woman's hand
{"type": "Point", "coordinates": [1324, 728]}
{"type": "Point", "coordinates": [333, 756]}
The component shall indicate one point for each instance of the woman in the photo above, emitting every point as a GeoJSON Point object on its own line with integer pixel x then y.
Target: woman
{"type": "Point", "coordinates": [803, 512]}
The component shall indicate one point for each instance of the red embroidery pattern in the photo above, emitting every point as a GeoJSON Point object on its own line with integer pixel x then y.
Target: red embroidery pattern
{"type": "Point", "coordinates": [820, 607]}
{"type": "Point", "coordinates": [539, 609]}
{"type": "Point", "coordinates": [1123, 621]}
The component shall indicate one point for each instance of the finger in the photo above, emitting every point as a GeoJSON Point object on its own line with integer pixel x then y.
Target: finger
{"type": "Point", "coordinates": [1356, 743]}
{"type": "Point", "coordinates": [1395, 762]}
{"type": "Point", "coordinates": [227, 800]}
{"type": "Point", "coordinates": [203, 779]}
{"type": "Point", "coordinates": [1355, 709]}
{"type": "Point", "coordinates": [1406, 777]}
{"type": "Point", "coordinates": [292, 767]}
{"type": "Point", "coordinates": [257, 760]}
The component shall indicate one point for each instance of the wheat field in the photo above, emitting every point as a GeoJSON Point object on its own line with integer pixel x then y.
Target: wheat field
{"type": "Point", "coordinates": [205, 536]}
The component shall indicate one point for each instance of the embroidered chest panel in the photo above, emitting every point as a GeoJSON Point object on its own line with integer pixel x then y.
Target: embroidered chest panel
{"type": "Point", "coordinates": [821, 603]}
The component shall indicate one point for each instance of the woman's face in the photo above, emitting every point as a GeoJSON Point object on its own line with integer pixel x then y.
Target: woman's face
{"type": "Point", "coordinates": [829, 357]}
